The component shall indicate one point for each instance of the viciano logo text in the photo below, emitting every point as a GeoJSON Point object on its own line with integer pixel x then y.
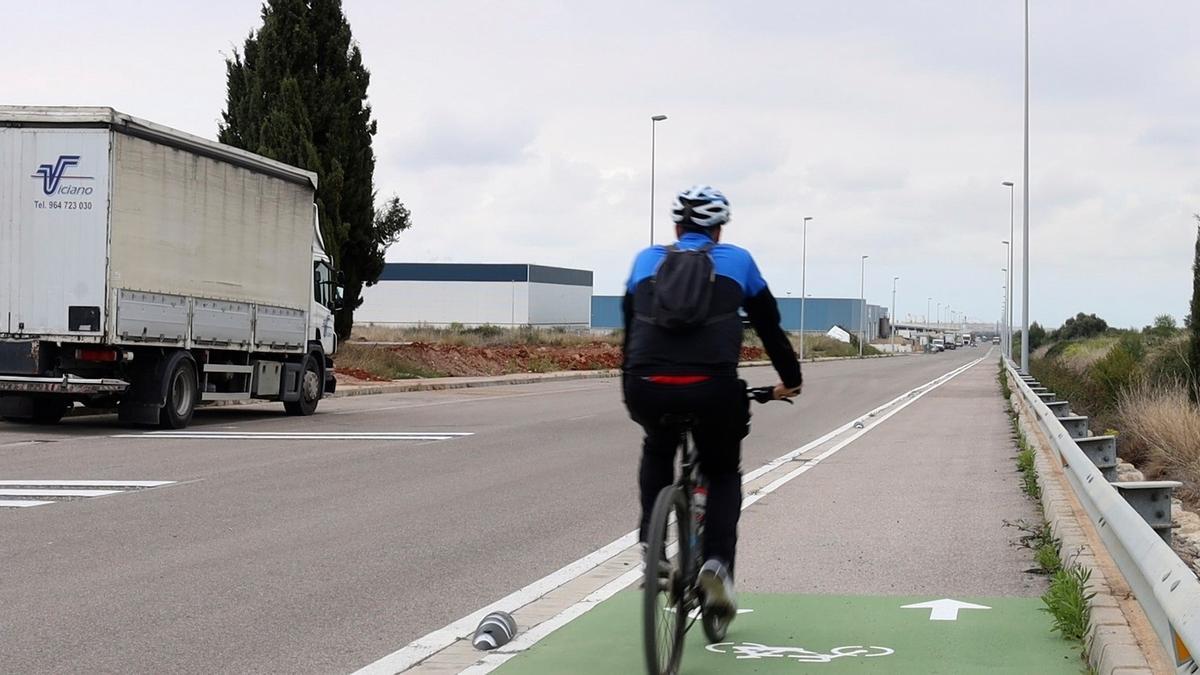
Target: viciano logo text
{"type": "Point", "coordinates": [53, 175]}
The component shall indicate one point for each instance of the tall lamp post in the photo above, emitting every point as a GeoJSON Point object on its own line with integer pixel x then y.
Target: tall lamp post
{"type": "Point", "coordinates": [803, 277]}
{"type": "Point", "coordinates": [862, 298]}
{"type": "Point", "coordinates": [893, 321]}
{"type": "Point", "coordinates": [1025, 198]}
{"type": "Point", "coordinates": [1007, 285]}
{"type": "Point", "coordinates": [927, 301]}
{"type": "Point", "coordinates": [1012, 242]}
{"type": "Point", "coordinates": [654, 120]}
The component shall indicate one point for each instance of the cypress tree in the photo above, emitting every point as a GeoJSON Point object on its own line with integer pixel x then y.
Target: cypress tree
{"type": "Point", "coordinates": [1193, 323]}
{"type": "Point", "coordinates": [297, 92]}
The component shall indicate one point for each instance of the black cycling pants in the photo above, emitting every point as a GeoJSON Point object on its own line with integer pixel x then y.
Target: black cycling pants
{"type": "Point", "coordinates": [723, 414]}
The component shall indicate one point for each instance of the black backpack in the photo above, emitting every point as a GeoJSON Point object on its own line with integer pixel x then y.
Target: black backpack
{"type": "Point", "coordinates": [682, 290]}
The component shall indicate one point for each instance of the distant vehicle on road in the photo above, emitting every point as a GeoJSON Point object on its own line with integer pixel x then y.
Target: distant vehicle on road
{"type": "Point", "coordinates": [938, 345]}
{"type": "Point", "coordinates": [996, 340]}
{"type": "Point", "coordinates": [152, 270]}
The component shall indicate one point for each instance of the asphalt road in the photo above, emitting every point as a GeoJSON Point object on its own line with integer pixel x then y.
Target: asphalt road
{"type": "Point", "coordinates": [322, 554]}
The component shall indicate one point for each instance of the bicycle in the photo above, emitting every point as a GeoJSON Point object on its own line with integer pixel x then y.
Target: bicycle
{"type": "Point", "coordinates": [671, 595]}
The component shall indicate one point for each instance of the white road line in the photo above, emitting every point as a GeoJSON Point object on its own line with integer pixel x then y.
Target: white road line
{"type": "Point", "coordinates": [89, 483]}
{"type": "Point", "coordinates": [18, 492]}
{"type": "Point", "coordinates": [306, 434]}
{"type": "Point", "coordinates": [268, 436]}
{"type": "Point", "coordinates": [424, 647]}
{"type": "Point", "coordinates": [22, 503]}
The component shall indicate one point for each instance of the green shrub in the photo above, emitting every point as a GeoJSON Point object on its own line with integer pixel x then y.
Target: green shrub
{"type": "Point", "coordinates": [1067, 601]}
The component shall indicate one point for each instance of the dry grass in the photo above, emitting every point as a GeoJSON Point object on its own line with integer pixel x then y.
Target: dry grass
{"type": "Point", "coordinates": [1081, 355]}
{"type": "Point", "coordinates": [380, 362]}
{"type": "Point", "coordinates": [1160, 422]}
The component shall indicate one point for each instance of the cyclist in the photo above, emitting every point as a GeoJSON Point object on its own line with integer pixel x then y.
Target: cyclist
{"type": "Point", "coordinates": [694, 371]}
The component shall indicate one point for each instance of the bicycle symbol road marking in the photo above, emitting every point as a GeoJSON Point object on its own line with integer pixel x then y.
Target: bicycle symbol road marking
{"type": "Point", "coordinates": [754, 650]}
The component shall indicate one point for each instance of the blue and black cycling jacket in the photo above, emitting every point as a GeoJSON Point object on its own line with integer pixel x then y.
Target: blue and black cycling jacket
{"type": "Point", "coordinates": [712, 349]}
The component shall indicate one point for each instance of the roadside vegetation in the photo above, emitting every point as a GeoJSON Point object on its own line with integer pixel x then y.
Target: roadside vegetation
{"type": "Point", "coordinates": [1067, 598]}
{"type": "Point", "coordinates": [1135, 383]}
{"type": "Point", "coordinates": [1141, 385]}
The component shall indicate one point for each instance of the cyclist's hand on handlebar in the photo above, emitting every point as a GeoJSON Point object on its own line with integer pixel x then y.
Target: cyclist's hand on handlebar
{"type": "Point", "coordinates": [781, 392]}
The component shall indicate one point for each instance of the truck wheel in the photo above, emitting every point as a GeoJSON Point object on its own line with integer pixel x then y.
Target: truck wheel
{"type": "Point", "coordinates": [310, 390]}
{"type": "Point", "coordinates": [182, 390]}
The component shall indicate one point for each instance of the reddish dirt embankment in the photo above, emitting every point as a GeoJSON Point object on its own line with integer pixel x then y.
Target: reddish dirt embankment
{"type": "Point", "coordinates": [449, 360]}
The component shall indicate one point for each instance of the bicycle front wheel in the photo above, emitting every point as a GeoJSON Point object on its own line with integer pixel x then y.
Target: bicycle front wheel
{"type": "Point", "coordinates": [664, 593]}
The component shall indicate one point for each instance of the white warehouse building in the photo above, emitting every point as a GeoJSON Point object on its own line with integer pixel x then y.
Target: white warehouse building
{"type": "Point", "coordinates": [475, 294]}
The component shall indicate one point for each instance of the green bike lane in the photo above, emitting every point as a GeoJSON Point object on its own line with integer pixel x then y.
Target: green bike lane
{"type": "Point", "coordinates": [788, 633]}
{"type": "Point", "coordinates": [890, 556]}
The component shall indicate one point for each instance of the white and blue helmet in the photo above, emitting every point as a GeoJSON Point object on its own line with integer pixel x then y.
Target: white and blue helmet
{"type": "Point", "coordinates": [700, 206]}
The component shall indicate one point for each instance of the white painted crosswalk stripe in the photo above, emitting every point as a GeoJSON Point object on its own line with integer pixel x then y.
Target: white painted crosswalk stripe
{"type": "Point", "coordinates": [303, 436]}
{"type": "Point", "coordinates": [34, 492]}
{"type": "Point", "coordinates": [86, 483]}
{"type": "Point", "coordinates": [21, 503]}
{"type": "Point", "coordinates": [19, 493]}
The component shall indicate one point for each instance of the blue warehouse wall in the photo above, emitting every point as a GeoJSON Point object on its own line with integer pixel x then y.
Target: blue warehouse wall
{"type": "Point", "coordinates": [820, 314]}
{"type": "Point", "coordinates": [606, 311]}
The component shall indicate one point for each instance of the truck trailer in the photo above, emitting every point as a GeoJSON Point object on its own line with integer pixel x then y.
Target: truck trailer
{"type": "Point", "coordinates": [151, 270]}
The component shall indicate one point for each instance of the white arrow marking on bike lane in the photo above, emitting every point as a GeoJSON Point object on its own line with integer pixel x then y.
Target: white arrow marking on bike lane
{"type": "Point", "coordinates": [944, 609]}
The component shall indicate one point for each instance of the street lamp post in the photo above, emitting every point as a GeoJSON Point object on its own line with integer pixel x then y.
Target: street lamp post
{"type": "Point", "coordinates": [862, 298]}
{"type": "Point", "coordinates": [893, 322]}
{"type": "Point", "coordinates": [939, 315]}
{"type": "Point", "coordinates": [803, 277]}
{"type": "Point", "coordinates": [927, 301]}
{"type": "Point", "coordinates": [1012, 242]}
{"type": "Point", "coordinates": [1004, 335]}
{"type": "Point", "coordinates": [1025, 198]}
{"type": "Point", "coordinates": [654, 120]}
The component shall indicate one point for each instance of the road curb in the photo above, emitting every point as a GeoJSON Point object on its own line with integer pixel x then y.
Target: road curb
{"type": "Point", "coordinates": [1111, 645]}
{"type": "Point", "coordinates": [443, 383]}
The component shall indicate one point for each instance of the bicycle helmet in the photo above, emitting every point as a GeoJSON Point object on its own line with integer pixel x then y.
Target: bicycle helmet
{"type": "Point", "coordinates": [700, 206]}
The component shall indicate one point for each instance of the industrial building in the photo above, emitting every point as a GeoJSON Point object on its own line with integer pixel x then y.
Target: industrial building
{"type": "Point", "coordinates": [820, 314]}
{"type": "Point", "coordinates": [475, 294]}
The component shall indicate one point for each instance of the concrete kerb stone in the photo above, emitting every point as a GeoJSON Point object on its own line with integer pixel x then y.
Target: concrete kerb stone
{"type": "Point", "coordinates": [1110, 645]}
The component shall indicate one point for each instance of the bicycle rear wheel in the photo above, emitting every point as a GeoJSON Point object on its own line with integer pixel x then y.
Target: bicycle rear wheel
{"type": "Point", "coordinates": [664, 604]}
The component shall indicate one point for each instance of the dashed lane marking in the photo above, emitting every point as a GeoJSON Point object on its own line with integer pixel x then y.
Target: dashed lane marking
{"type": "Point", "coordinates": [24, 493]}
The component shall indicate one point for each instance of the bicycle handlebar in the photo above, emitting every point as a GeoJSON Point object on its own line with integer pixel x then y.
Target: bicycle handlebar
{"type": "Point", "coordinates": [764, 394]}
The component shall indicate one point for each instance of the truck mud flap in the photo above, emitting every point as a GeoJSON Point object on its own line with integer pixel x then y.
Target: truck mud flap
{"type": "Point", "coordinates": [147, 391]}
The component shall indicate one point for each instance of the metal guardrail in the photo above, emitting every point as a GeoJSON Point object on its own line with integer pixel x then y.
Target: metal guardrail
{"type": "Point", "coordinates": [1163, 584]}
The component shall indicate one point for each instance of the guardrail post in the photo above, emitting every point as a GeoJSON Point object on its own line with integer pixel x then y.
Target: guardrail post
{"type": "Point", "coordinates": [1152, 500]}
{"type": "Point", "coordinates": [1047, 397]}
{"type": "Point", "coordinates": [1060, 408]}
{"type": "Point", "coordinates": [1076, 426]}
{"type": "Point", "coordinates": [1102, 450]}
{"type": "Point", "coordinates": [1037, 389]}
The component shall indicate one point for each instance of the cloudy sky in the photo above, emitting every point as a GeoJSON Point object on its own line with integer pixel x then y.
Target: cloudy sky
{"type": "Point", "coordinates": [519, 131]}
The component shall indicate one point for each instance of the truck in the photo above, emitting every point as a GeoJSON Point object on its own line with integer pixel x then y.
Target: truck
{"type": "Point", "coordinates": [150, 270]}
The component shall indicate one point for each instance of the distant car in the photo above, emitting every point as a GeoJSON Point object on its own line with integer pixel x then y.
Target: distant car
{"type": "Point", "coordinates": [996, 340]}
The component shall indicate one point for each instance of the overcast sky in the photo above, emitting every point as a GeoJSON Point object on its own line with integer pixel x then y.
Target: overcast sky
{"type": "Point", "coordinates": [519, 131]}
